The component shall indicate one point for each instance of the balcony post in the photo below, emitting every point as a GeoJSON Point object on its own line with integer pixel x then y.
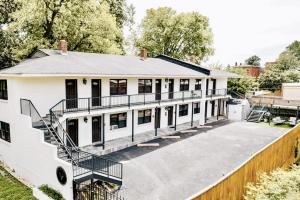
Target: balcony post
{"type": "Point", "coordinates": [128, 101]}
{"type": "Point", "coordinates": [182, 95]}
{"type": "Point", "coordinates": [156, 121]}
{"type": "Point", "coordinates": [175, 117]}
{"type": "Point", "coordinates": [89, 105]}
{"type": "Point", "coordinates": [192, 120]}
{"type": "Point", "coordinates": [132, 133]}
{"type": "Point", "coordinates": [144, 98]}
{"type": "Point", "coordinates": [103, 131]}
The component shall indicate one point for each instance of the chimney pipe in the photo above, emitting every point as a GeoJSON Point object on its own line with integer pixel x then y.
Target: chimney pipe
{"type": "Point", "coordinates": [63, 47]}
{"type": "Point", "coordinates": [143, 54]}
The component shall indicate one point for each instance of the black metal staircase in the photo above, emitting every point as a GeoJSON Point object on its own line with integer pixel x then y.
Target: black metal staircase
{"type": "Point", "coordinates": [85, 165]}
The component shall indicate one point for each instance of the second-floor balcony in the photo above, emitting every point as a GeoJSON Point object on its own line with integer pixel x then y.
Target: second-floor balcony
{"type": "Point", "coordinates": [93, 103]}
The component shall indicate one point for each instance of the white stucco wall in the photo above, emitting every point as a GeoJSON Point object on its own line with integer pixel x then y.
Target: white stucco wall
{"type": "Point", "coordinates": [291, 91]}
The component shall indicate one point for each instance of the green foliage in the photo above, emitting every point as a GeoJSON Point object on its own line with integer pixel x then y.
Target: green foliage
{"type": "Point", "coordinates": [7, 7]}
{"type": "Point", "coordinates": [241, 85]}
{"type": "Point", "coordinates": [50, 192]}
{"type": "Point", "coordinates": [87, 26]}
{"type": "Point", "coordinates": [284, 71]}
{"type": "Point", "coordinates": [253, 60]}
{"type": "Point", "coordinates": [12, 189]}
{"type": "Point", "coordinates": [271, 79]}
{"type": "Point", "coordinates": [279, 185]}
{"type": "Point", "coordinates": [294, 48]}
{"type": "Point", "coordinates": [176, 35]}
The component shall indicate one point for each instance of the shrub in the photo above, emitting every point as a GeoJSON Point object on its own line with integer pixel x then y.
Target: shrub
{"type": "Point", "coordinates": [278, 185]}
{"type": "Point", "coordinates": [50, 192]}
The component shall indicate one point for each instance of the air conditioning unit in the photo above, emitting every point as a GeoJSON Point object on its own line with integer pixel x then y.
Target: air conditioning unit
{"type": "Point", "coordinates": [113, 127]}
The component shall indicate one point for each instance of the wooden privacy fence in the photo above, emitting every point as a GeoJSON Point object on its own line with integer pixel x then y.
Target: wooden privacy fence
{"type": "Point", "coordinates": [281, 153]}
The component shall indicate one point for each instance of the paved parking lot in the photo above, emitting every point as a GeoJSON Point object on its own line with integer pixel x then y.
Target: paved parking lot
{"type": "Point", "coordinates": [182, 167]}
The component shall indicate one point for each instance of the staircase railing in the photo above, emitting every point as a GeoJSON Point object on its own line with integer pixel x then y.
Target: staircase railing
{"type": "Point", "coordinates": [82, 162]}
{"type": "Point", "coordinates": [86, 162]}
{"type": "Point", "coordinates": [27, 108]}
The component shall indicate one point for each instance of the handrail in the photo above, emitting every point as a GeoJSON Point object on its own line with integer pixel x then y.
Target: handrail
{"type": "Point", "coordinates": [59, 140]}
{"type": "Point", "coordinates": [79, 155]}
{"type": "Point", "coordinates": [105, 166]}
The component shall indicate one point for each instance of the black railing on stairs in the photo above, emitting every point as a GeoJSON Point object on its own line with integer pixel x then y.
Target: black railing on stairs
{"type": "Point", "coordinates": [83, 162]}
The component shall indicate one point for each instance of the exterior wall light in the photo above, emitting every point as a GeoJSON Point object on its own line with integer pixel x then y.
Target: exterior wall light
{"type": "Point", "coordinates": [85, 119]}
{"type": "Point", "coordinates": [84, 81]}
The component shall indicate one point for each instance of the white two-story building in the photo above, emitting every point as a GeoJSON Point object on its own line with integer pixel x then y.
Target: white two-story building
{"type": "Point", "coordinates": [57, 103]}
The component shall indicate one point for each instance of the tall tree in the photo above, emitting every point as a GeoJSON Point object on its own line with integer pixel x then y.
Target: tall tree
{"type": "Point", "coordinates": [253, 60]}
{"type": "Point", "coordinates": [87, 26]}
{"type": "Point", "coordinates": [283, 71]}
{"type": "Point", "coordinates": [294, 48]}
{"type": "Point", "coordinates": [163, 31]}
{"type": "Point", "coordinates": [243, 84]}
{"type": "Point", "coordinates": [7, 39]}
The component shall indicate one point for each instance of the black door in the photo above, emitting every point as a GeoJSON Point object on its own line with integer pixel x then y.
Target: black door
{"type": "Point", "coordinates": [171, 88]}
{"type": "Point", "coordinates": [214, 86]}
{"type": "Point", "coordinates": [96, 92]}
{"type": "Point", "coordinates": [158, 89]}
{"type": "Point", "coordinates": [157, 117]}
{"type": "Point", "coordinates": [72, 129]}
{"type": "Point", "coordinates": [213, 103]}
{"type": "Point", "coordinates": [170, 115]}
{"type": "Point", "coordinates": [71, 93]}
{"type": "Point", "coordinates": [96, 129]}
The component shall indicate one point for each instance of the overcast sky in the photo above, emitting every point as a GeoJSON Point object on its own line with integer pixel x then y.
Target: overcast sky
{"type": "Point", "coordinates": [241, 28]}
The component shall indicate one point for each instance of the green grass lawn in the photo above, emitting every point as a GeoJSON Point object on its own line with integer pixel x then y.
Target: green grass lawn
{"type": "Point", "coordinates": [12, 189]}
{"type": "Point", "coordinates": [273, 125]}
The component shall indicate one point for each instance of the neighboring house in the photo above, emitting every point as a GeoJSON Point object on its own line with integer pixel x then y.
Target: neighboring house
{"type": "Point", "coordinates": [58, 103]}
{"type": "Point", "coordinates": [251, 70]}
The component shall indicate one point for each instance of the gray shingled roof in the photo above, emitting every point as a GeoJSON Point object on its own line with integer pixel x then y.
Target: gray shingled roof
{"type": "Point", "coordinates": [78, 63]}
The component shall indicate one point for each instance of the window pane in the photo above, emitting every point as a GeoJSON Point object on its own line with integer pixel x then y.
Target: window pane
{"type": "Point", "coordinates": [122, 120]}
{"type": "Point", "coordinates": [113, 87]}
{"type": "Point", "coordinates": [141, 86]}
{"type": "Point", "coordinates": [148, 86]}
{"type": "Point", "coordinates": [122, 87]}
{"type": "Point", "coordinates": [113, 120]}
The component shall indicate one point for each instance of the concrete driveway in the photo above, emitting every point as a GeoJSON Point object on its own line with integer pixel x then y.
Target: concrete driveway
{"type": "Point", "coordinates": [182, 167]}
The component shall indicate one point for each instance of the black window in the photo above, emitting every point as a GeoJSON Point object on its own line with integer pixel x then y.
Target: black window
{"type": "Point", "coordinates": [119, 120]}
{"type": "Point", "coordinates": [183, 110]}
{"type": "Point", "coordinates": [3, 89]}
{"type": "Point", "coordinates": [118, 86]}
{"type": "Point", "coordinates": [145, 86]}
{"type": "Point", "coordinates": [184, 84]}
{"type": "Point", "coordinates": [4, 131]}
{"type": "Point", "coordinates": [144, 116]}
{"type": "Point", "coordinates": [198, 84]}
{"type": "Point", "coordinates": [196, 108]}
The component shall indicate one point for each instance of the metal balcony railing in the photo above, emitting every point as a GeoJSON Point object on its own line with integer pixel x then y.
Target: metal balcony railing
{"type": "Point", "coordinates": [87, 104]}
{"type": "Point", "coordinates": [216, 92]}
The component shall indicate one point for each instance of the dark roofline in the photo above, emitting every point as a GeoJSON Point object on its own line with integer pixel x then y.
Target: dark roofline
{"type": "Point", "coordinates": [184, 64]}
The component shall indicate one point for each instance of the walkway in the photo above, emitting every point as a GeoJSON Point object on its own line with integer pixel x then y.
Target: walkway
{"type": "Point", "coordinates": [179, 168]}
